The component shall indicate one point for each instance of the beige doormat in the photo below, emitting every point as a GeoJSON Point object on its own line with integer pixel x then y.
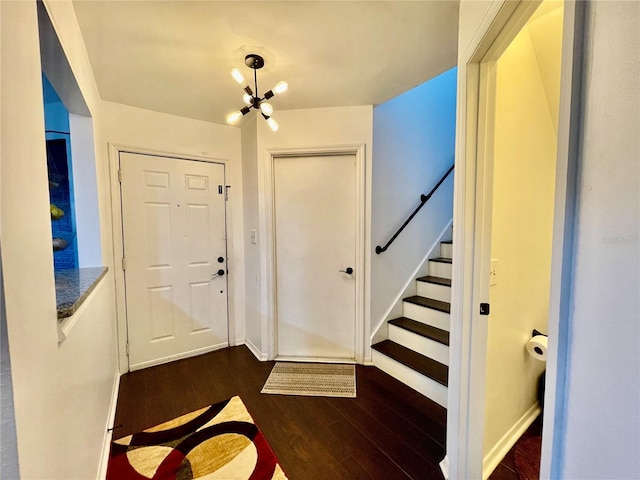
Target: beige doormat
{"type": "Point", "coordinates": [312, 379]}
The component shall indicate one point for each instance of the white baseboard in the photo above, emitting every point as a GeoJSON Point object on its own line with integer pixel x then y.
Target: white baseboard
{"type": "Point", "coordinates": [180, 356]}
{"type": "Point", "coordinates": [286, 358]}
{"type": "Point", "coordinates": [444, 466]}
{"type": "Point", "coordinates": [508, 440]}
{"type": "Point", "coordinates": [255, 350]}
{"type": "Point", "coordinates": [106, 445]}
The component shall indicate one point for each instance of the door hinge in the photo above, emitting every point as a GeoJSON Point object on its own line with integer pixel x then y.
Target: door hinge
{"type": "Point", "coordinates": [484, 308]}
{"type": "Point", "coordinates": [124, 264]}
{"type": "Point", "coordinates": [226, 192]}
{"type": "Point", "coordinates": [127, 347]}
{"type": "Point", "coordinates": [120, 175]}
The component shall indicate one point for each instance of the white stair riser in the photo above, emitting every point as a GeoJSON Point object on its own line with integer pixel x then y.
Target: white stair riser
{"type": "Point", "coordinates": [439, 269]}
{"type": "Point", "coordinates": [432, 317]}
{"type": "Point", "coordinates": [424, 385]}
{"type": "Point", "coordinates": [435, 291]}
{"type": "Point", "coordinates": [417, 343]}
{"type": "Point", "coordinates": [446, 250]}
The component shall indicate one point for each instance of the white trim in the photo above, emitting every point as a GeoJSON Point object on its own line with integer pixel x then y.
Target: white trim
{"type": "Point", "coordinates": [569, 120]}
{"type": "Point", "coordinates": [286, 358]}
{"type": "Point", "coordinates": [118, 244]}
{"type": "Point", "coordinates": [493, 458]}
{"type": "Point", "coordinates": [444, 466]}
{"type": "Point", "coordinates": [178, 356]}
{"type": "Point", "coordinates": [428, 387]}
{"type": "Point", "coordinates": [267, 256]}
{"type": "Point", "coordinates": [424, 345]}
{"type": "Point", "coordinates": [468, 339]}
{"type": "Point", "coordinates": [255, 350]}
{"type": "Point", "coordinates": [106, 444]}
{"type": "Point", "coordinates": [410, 288]}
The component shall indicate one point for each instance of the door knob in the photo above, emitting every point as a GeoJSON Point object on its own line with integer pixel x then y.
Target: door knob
{"type": "Point", "coordinates": [347, 270]}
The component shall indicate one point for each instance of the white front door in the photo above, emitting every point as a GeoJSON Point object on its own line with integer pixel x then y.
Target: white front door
{"type": "Point", "coordinates": [315, 249]}
{"type": "Point", "coordinates": [173, 213]}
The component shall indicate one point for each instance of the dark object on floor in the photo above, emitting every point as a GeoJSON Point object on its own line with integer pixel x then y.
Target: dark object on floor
{"type": "Point", "coordinates": [541, 384]}
{"type": "Point", "coordinates": [527, 457]}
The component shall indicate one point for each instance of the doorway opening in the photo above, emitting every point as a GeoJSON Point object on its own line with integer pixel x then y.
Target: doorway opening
{"type": "Point", "coordinates": [523, 89]}
{"type": "Point", "coordinates": [467, 455]}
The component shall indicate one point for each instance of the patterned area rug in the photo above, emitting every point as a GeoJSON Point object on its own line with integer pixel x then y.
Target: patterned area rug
{"type": "Point", "coordinates": [216, 442]}
{"type": "Point", "coordinates": [312, 379]}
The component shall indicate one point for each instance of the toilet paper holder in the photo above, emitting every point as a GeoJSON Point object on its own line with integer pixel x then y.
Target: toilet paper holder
{"type": "Point", "coordinates": [537, 345]}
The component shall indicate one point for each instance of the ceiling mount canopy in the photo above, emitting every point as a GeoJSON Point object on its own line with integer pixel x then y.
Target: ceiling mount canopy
{"type": "Point", "coordinates": [251, 97]}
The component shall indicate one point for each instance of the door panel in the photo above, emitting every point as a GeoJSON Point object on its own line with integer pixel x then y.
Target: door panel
{"type": "Point", "coordinates": [315, 212]}
{"type": "Point", "coordinates": [174, 233]}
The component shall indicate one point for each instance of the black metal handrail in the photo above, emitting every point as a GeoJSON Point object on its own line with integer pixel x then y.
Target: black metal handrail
{"type": "Point", "coordinates": [423, 199]}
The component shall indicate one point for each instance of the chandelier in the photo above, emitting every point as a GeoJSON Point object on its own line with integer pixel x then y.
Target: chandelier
{"type": "Point", "coordinates": [253, 100]}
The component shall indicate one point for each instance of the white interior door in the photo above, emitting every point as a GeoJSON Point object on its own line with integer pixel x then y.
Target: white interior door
{"type": "Point", "coordinates": [173, 213]}
{"type": "Point", "coordinates": [315, 246]}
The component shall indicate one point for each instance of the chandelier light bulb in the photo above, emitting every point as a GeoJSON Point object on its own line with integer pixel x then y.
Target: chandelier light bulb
{"type": "Point", "coordinates": [273, 125]}
{"type": "Point", "coordinates": [238, 77]}
{"type": "Point", "coordinates": [248, 99]}
{"type": "Point", "coordinates": [233, 118]}
{"type": "Point", "coordinates": [266, 108]}
{"type": "Point", "coordinates": [281, 87]}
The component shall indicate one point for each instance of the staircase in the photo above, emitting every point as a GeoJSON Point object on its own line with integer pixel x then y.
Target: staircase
{"type": "Point", "coordinates": [417, 350]}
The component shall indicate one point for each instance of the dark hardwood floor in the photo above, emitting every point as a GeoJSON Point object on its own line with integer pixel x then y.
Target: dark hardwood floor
{"type": "Point", "coordinates": [523, 460]}
{"type": "Point", "coordinates": [388, 432]}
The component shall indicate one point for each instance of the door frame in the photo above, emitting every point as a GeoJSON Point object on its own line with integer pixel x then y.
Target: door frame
{"type": "Point", "coordinates": [465, 429]}
{"type": "Point", "coordinates": [118, 244]}
{"type": "Point", "coordinates": [267, 246]}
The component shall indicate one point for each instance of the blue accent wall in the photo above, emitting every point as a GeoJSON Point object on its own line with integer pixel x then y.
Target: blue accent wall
{"type": "Point", "coordinates": [413, 147]}
{"type": "Point", "coordinates": [60, 176]}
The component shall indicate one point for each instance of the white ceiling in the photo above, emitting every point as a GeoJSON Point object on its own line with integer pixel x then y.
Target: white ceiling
{"type": "Point", "coordinates": [175, 56]}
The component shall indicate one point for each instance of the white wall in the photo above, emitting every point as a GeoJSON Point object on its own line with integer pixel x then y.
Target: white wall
{"type": "Point", "coordinates": [133, 128]}
{"type": "Point", "coordinates": [86, 206]}
{"type": "Point", "coordinates": [8, 441]}
{"type": "Point", "coordinates": [310, 128]}
{"type": "Point", "coordinates": [522, 227]}
{"type": "Point", "coordinates": [602, 431]}
{"type": "Point", "coordinates": [413, 147]}
{"type": "Point", "coordinates": [66, 390]}
{"type": "Point", "coordinates": [62, 392]}
{"type": "Point", "coordinates": [252, 251]}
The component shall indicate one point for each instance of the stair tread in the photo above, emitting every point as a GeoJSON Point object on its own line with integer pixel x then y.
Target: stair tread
{"type": "Point", "coordinates": [441, 260]}
{"type": "Point", "coordinates": [429, 303]}
{"type": "Point", "coordinates": [437, 280]}
{"type": "Point", "coordinates": [424, 365]}
{"type": "Point", "coordinates": [422, 329]}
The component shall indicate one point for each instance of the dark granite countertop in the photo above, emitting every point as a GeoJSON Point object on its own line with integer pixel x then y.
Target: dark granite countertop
{"type": "Point", "coordinates": [73, 286]}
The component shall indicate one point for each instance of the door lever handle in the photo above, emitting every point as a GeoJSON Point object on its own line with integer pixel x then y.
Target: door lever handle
{"type": "Point", "coordinates": [348, 270]}
{"type": "Point", "coordinates": [219, 273]}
